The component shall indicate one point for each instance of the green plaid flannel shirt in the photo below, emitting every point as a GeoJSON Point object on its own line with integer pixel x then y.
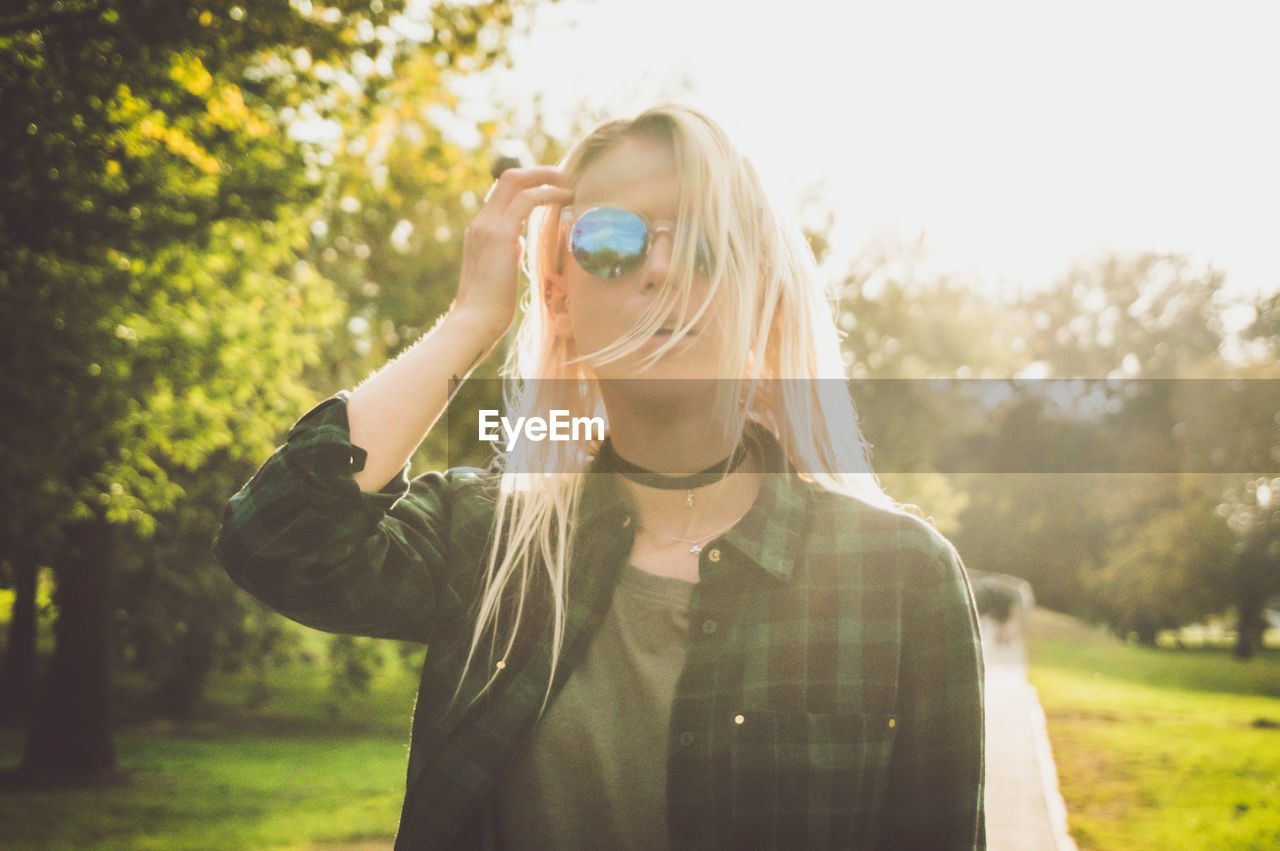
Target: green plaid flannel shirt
{"type": "Point", "coordinates": [832, 692]}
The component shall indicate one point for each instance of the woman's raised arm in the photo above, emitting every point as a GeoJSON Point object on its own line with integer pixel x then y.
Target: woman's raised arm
{"type": "Point", "coordinates": [392, 411]}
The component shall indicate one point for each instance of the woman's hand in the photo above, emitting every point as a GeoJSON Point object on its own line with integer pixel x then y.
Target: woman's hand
{"type": "Point", "coordinates": [492, 246]}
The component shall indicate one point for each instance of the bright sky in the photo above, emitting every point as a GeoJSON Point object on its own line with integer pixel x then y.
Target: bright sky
{"type": "Point", "coordinates": [1016, 135]}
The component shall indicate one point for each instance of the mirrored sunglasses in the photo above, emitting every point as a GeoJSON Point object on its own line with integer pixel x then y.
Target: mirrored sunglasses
{"type": "Point", "coordinates": [610, 242]}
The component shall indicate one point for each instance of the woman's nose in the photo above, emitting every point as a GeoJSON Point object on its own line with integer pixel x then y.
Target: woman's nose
{"type": "Point", "coordinates": [657, 265]}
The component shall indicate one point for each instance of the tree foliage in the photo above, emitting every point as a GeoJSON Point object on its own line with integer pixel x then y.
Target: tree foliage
{"type": "Point", "coordinates": [1163, 569]}
{"type": "Point", "coordinates": [160, 307]}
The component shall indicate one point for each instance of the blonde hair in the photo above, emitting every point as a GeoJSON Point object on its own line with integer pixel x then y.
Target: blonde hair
{"type": "Point", "coordinates": [780, 344]}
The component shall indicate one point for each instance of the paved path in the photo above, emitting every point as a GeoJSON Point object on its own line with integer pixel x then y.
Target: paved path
{"type": "Point", "coordinates": [1024, 809]}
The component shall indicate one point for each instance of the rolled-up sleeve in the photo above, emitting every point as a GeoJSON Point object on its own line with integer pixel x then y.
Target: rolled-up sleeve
{"type": "Point", "coordinates": [935, 794]}
{"type": "Point", "coordinates": [302, 537]}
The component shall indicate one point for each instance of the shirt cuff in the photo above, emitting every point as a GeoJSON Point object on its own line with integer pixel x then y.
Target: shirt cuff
{"type": "Point", "coordinates": [319, 448]}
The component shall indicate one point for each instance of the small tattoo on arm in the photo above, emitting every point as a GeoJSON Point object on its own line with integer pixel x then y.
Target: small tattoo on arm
{"type": "Point", "coordinates": [455, 382]}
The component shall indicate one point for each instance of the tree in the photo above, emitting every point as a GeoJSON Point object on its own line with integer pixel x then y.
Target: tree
{"type": "Point", "coordinates": [1232, 429]}
{"type": "Point", "coordinates": [387, 230]}
{"type": "Point", "coordinates": [911, 341]}
{"type": "Point", "coordinates": [1254, 515]}
{"type": "Point", "coordinates": [1143, 316]}
{"type": "Point", "coordinates": [155, 300]}
{"type": "Point", "coordinates": [177, 616]}
{"type": "Point", "coordinates": [20, 569]}
{"type": "Point", "coordinates": [1036, 509]}
{"type": "Point", "coordinates": [1229, 426]}
{"type": "Point", "coordinates": [1120, 325]}
{"type": "Point", "coordinates": [1164, 571]}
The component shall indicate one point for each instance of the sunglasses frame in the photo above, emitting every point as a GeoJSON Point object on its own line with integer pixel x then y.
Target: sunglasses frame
{"type": "Point", "coordinates": [570, 214]}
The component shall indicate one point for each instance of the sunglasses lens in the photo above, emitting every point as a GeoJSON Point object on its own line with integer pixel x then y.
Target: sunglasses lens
{"type": "Point", "coordinates": [608, 242]}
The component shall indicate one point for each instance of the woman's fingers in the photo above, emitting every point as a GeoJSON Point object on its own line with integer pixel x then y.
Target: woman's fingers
{"type": "Point", "coordinates": [524, 202]}
{"type": "Point", "coordinates": [515, 180]}
{"type": "Point", "coordinates": [503, 226]}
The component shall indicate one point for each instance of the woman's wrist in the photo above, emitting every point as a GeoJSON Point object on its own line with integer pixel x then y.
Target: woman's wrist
{"type": "Point", "coordinates": [483, 328]}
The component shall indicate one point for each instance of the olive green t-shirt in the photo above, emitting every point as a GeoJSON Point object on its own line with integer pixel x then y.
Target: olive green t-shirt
{"type": "Point", "coordinates": [595, 772]}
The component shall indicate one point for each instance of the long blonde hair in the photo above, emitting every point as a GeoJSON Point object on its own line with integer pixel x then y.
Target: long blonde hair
{"type": "Point", "coordinates": [781, 347]}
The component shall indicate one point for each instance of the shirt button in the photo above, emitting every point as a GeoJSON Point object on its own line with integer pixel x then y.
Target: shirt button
{"type": "Point", "coordinates": [686, 738]}
{"type": "Point", "coordinates": [713, 555]}
{"type": "Point", "coordinates": [739, 719]}
{"type": "Point", "coordinates": [708, 627]}
{"type": "Point", "coordinates": [893, 722]}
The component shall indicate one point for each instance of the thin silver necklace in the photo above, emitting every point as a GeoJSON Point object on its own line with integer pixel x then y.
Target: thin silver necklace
{"type": "Point", "coordinates": [697, 543]}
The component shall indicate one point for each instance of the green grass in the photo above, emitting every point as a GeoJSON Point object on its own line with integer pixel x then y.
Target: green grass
{"type": "Point", "coordinates": [1156, 749]}
{"type": "Point", "coordinates": [292, 772]}
{"type": "Point", "coordinates": [1160, 748]}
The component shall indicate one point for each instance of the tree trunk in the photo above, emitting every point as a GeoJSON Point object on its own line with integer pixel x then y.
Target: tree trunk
{"type": "Point", "coordinates": [1257, 577]}
{"type": "Point", "coordinates": [18, 677]}
{"type": "Point", "coordinates": [1146, 635]}
{"type": "Point", "coordinates": [177, 695]}
{"type": "Point", "coordinates": [1250, 626]}
{"type": "Point", "coordinates": [70, 735]}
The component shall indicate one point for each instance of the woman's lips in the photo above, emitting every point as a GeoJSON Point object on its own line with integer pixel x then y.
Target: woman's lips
{"type": "Point", "coordinates": [663, 335]}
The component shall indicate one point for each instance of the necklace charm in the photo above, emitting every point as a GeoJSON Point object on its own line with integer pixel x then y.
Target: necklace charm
{"type": "Point", "coordinates": [688, 498]}
{"type": "Point", "coordinates": [695, 544]}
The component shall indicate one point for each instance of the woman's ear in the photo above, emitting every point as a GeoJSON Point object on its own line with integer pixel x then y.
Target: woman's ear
{"type": "Point", "coordinates": [557, 303]}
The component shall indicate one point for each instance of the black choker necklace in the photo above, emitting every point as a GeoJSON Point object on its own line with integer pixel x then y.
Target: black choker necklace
{"type": "Point", "coordinates": [612, 462]}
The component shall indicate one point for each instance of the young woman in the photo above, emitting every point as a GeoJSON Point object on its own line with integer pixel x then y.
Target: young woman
{"type": "Point", "coordinates": [711, 629]}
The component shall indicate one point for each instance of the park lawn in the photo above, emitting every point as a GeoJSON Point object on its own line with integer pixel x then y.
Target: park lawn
{"type": "Point", "coordinates": [287, 773]}
{"type": "Point", "coordinates": [1160, 748]}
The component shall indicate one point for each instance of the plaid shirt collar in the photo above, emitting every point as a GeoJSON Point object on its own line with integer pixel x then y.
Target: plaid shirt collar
{"type": "Point", "coordinates": [770, 535]}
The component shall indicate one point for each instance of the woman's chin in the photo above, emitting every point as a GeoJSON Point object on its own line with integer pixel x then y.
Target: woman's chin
{"type": "Point", "coordinates": [660, 389]}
